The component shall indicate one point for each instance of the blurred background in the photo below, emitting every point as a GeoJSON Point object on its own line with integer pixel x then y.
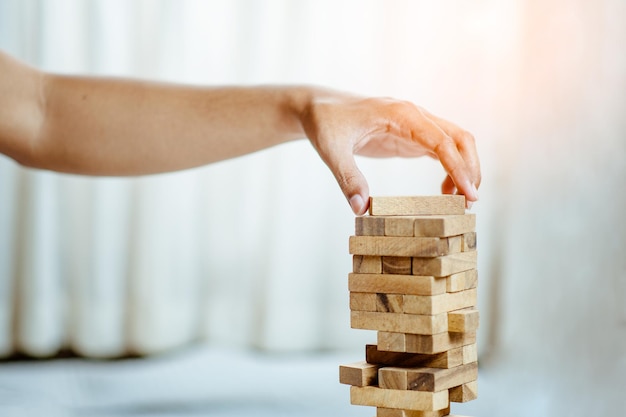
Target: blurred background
{"type": "Point", "coordinates": [230, 280]}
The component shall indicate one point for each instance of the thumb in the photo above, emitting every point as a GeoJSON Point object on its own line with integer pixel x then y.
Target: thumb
{"type": "Point", "coordinates": [352, 182]}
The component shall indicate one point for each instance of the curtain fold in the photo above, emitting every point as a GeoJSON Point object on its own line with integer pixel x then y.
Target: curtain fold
{"type": "Point", "coordinates": [253, 251]}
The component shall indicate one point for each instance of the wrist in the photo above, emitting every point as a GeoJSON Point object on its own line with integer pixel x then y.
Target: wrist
{"type": "Point", "coordinates": [299, 102]}
{"type": "Point", "coordinates": [302, 103]}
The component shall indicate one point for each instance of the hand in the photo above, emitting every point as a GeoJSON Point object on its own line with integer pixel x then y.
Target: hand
{"type": "Point", "coordinates": [341, 126]}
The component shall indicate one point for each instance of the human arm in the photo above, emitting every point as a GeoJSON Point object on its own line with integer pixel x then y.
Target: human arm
{"type": "Point", "coordinates": [99, 126]}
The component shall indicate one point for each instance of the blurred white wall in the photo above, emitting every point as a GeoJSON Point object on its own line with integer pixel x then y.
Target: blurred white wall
{"type": "Point", "coordinates": [253, 251]}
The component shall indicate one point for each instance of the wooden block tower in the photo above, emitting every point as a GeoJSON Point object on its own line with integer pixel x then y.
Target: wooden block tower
{"type": "Point", "coordinates": [414, 281]}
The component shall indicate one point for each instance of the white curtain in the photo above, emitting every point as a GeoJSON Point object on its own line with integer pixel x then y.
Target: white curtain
{"type": "Point", "coordinates": [253, 251]}
{"type": "Point", "coordinates": [247, 252]}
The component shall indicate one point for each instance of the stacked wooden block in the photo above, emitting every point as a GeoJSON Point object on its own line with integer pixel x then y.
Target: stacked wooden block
{"type": "Point", "coordinates": [414, 281]}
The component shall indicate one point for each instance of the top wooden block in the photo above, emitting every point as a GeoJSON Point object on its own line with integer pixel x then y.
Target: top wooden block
{"type": "Point", "coordinates": [417, 206]}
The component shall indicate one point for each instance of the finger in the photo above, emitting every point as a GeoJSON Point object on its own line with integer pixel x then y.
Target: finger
{"type": "Point", "coordinates": [456, 168]}
{"type": "Point", "coordinates": [445, 149]}
{"type": "Point", "coordinates": [350, 179]}
{"type": "Point", "coordinates": [448, 187]}
{"type": "Point", "coordinates": [466, 145]}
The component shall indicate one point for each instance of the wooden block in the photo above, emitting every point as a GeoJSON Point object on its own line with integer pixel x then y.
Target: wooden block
{"type": "Point", "coordinates": [367, 264]}
{"type": "Point", "coordinates": [417, 343]}
{"type": "Point", "coordinates": [359, 374]}
{"type": "Point", "coordinates": [397, 265]}
{"type": "Point", "coordinates": [436, 304]}
{"type": "Point", "coordinates": [417, 206]}
{"type": "Point", "coordinates": [396, 284]}
{"type": "Point", "coordinates": [462, 321]}
{"type": "Point", "coordinates": [400, 226]}
{"type": "Point", "coordinates": [426, 379]}
{"type": "Point", "coordinates": [462, 281]}
{"type": "Point", "coordinates": [362, 301]}
{"type": "Point", "coordinates": [470, 354]}
{"type": "Point", "coordinates": [469, 242]}
{"type": "Point", "coordinates": [429, 226]}
{"type": "Point", "coordinates": [471, 278]}
{"type": "Point", "coordinates": [444, 225]}
{"type": "Point", "coordinates": [389, 303]}
{"type": "Point", "coordinates": [464, 393]}
{"type": "Point", "coordinates": [456, 282]}
{"type": "Point", "coordinates": [455, 244]}
{"type": "Point", "coordinates": [399, 322]}
{"type": "Point", "coordinates": [443, 266]}
{"type": "Point", "coordinates": [392, 342]}
{"type": "Point", "coordinates": [382, 303]}
{"type": "Point", "coordinates": [448, 359]}
{"type": "Point", "coordinates": [369, 226]}
{"type": "Point", "coordinates": [427, 247]}
{"type": "Point", "coordinates": [390, 412]}
{"type": "Point", "coordinates": [399, 399]}
{"type": "Point", "coordinates": [395, 378]}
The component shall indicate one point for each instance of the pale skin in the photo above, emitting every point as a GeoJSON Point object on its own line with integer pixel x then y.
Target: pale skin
{"type": "Point", "coordinates": [105, 126]}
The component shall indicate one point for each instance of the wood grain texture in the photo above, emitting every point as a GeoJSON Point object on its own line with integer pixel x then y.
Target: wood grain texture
{"type": "Point", "coordinates": [399, 226]}
{"type": "Point", "coordinates": [426, 379]}
{"type": "Point", "coordinates": [359, 374]}
{"type": "Point", "coordinates": [418, 343]}
{"type": "Point", "coordinates": [389, 303]}
{"type": "Point", "coordinates": [399, 399]}
{"type": "Point", "coordinates": [455, 244]}
{"type": "Point", "coordinates": [369, 226]}
{"type": "Point", "coordinates": [367, 264]}
{"type": "Point", "coordinates": [436, 304]}
{"type": "Point", "coordinates": [396, 284]}
{"type": "Point", "coordinates": [462, 321]}
{"type": "Point", "coordinates": [443, 266]}
{"type": "Point", "coordinates": [464, 393]}
{"type": "Point", "coordinates": [426, 247]}
{"type": "Point", "coordinates": [390, 412]}
{"type": "Point", "coordinates": [362, 301]}
{"type": "Point", "coordinates": [382, 303]}
{"type": "Point", "coordinates": [428, 305]}
{"type": "Point", "coordinates": [471, 279]}
{"type": "Point", "coordinates": [444, 225]}
{"type": "Point", "coordinates": [428, 226]}
{"type": "Point", "coordinates": [397, 265]}
{"type": "Point", "coordinates": [456, 282]}
{"type": "Point", "coordinates": [448, 359]}
{"type": "Point", "coordinates": [417, 206]}
{"type": "Point", "coordinates": [462, 281]}
{"type": "Point", "coordinates": [399, 322]}
{"type": "Point", "coordinates": [470, 354]}
{"type": "Point", "coordinates": [469, 242]}
{"type": "Point", "coordinates": [392, 342]}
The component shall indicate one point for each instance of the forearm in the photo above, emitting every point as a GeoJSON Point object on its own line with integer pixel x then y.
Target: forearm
{"type": "Point", "coordinates": [115, 127]}
{"type": "Point", "coordinates": [121, 127]}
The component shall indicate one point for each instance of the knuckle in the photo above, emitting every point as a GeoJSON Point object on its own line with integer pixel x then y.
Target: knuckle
{"type": "Point", "coordinates": [444, 143]}
{"type": "Point", "coordinates": [467, 137]}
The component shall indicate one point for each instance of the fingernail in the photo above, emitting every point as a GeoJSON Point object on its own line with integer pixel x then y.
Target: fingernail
{"type": "Point", "coordinates": [469, 205]}
{"type": "Point", "coordinates": [471, 193]}
{"type": "Point", "coordinates": [475, 190]}
{"type": "Point", "coordinates": [356, 203]}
